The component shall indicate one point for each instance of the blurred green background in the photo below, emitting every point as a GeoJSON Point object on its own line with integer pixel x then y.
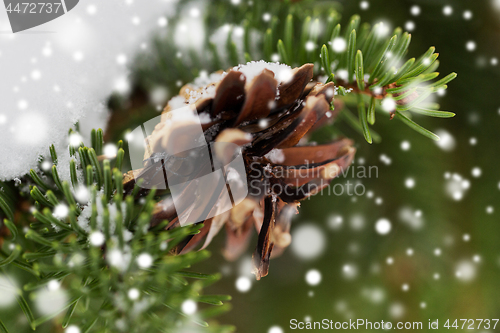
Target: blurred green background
{"type": "Point", "coordinates": [445, 251]}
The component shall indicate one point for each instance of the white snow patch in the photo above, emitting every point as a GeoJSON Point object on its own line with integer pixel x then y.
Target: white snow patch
{"type": "Point", "coordinates": [74, 72]}
{"type": "Point", "coordinates": [276, 156]}
{"type": "Point", "coordinates": [204, 86]}
{"type": "Point", "coordinates": [220, 36]}
{"type": "Point", "coordinates": [84, 218]}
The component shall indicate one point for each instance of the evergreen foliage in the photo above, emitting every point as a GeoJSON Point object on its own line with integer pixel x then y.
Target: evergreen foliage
{"type": "Point", "coordinates": [372, 68]}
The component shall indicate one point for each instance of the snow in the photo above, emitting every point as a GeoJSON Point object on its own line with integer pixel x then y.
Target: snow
{"type": "Point", "coordinates": [383, 29]}
{"type": "Point", "coordinates": [207, 92]}
{"type": "Point", "coordinates": [343, 74]}
{"type": "Point", "coordinates": [410, 25]}
{"type": "Point", "coordinates": [470, 45]}
{"type": "Point", "coordinates": [310, 46]}
{"type": "Point", "coordinates": [447, 141]}
{"type": "Point", "coordinates": [357, 222]}
{"type": "Point", "coordinates": [243, 284]}
{"type": "Point", "coordinates": [62, 72]}
{"type": "Point", "coordinates": [349, 271]}
{"type": "Point", "coordinates": [144, 260]}
{"type": "Point", "coordinates": [53, 285]}
{"type": "Point", "coordinates": [204, 86]}
{"type": "Point", "coordinates": [437, 252]}
{"type": "Point", "coordinates": [75, 139]}
{"type": "Point", "coordinates": [339, 45]}
{"type": "Point", "coordinates": [275, 329]}
{"type": "Point", "coordinates": [49, 302]}
{"type": "Point", "coordinates": [205, 80]}
{"type": "Point", "coordinates": [383, 226]}
{"type": "Point", "coordinates": [413, 219]}
{"type": "Point", "coordinates": [175, 103]}
{"type": "Point", "coordinates": [82, 194]}
{"type": "Point", "coordinates": [276, 156]}
{"type": "Point", "coordinates": [61, 211]}
{"type": "Point", "coordinates": [119, 259]}
{"type": "Point", "coordinates": [313, 277]}
{"type": "Point", "coordinates": [476, 172]}
{"type": "Point", "coordinates": [189, 307]}
{"type": "Point", "coordinates": [133, 294]}
{"type": "Point", "coordinates": [465, 271]}
{"type": "Point", "coordinates": [110, 150]}
{"type": "Point", "coordinates": [84, 218]}
{"type": "Point", "coordinates": [264, 123]}
{"type": "Point", "coordinates": [410, 182]}
{"type": "Point", "coordinates": [220, 36]}
{"type": "Point", "coordinates": [205, 118]}
{"type": "Point", "coordinates": [375, 295]}
{"type": "Point", "coordinates": [162, 22]}
{"type": "Point", "coordinates": [189, 33]}
{"type": "Point", "coordinates": [8, 290]}
{"type": "Point", "coordinates": [405, 145]}
{"type": "Point", "coordinates": [456, 186]}
{"type": "Point", "coordinates": [246, 266]}
{"type": "Point", "coordinates": [335, 221]}
{"type": "Point", "coordinates": [447, 10]}
{"type": "Point", "coordinates": [72, 329]}
{"type": "Point", "coordinates": [76, 259]}
{"type": "Point", "coordinates": [397, 310]}
{"type": "Point", "coordinates": [254, 68]}
{"type": "Point", "coordinates": [385, 159]}
{"type": "Point", "coordinates": [96, 238]}
{"type": "Point", "coordinates": [388, 104]}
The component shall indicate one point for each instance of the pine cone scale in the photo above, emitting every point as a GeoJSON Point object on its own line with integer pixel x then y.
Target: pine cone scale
{"type": "Point", "coordinates": [230, 93]}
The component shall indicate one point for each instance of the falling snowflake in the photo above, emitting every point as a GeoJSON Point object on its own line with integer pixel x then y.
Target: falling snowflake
{"type": "Point", "coordinates": [243, 284]}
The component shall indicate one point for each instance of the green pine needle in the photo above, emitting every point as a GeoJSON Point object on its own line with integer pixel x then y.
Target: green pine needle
{"type": "Point", "coordinates": [65, 252]}
{"type": "Point", "coordinates": [410, 123]}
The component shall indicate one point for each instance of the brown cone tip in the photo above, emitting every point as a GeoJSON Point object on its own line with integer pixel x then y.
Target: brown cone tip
{"type": "Point", "coordinates": [267, 112]}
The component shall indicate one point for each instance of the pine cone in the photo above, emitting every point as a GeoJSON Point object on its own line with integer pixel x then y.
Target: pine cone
{"type": "Point", "coordinates": [266, 110]}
